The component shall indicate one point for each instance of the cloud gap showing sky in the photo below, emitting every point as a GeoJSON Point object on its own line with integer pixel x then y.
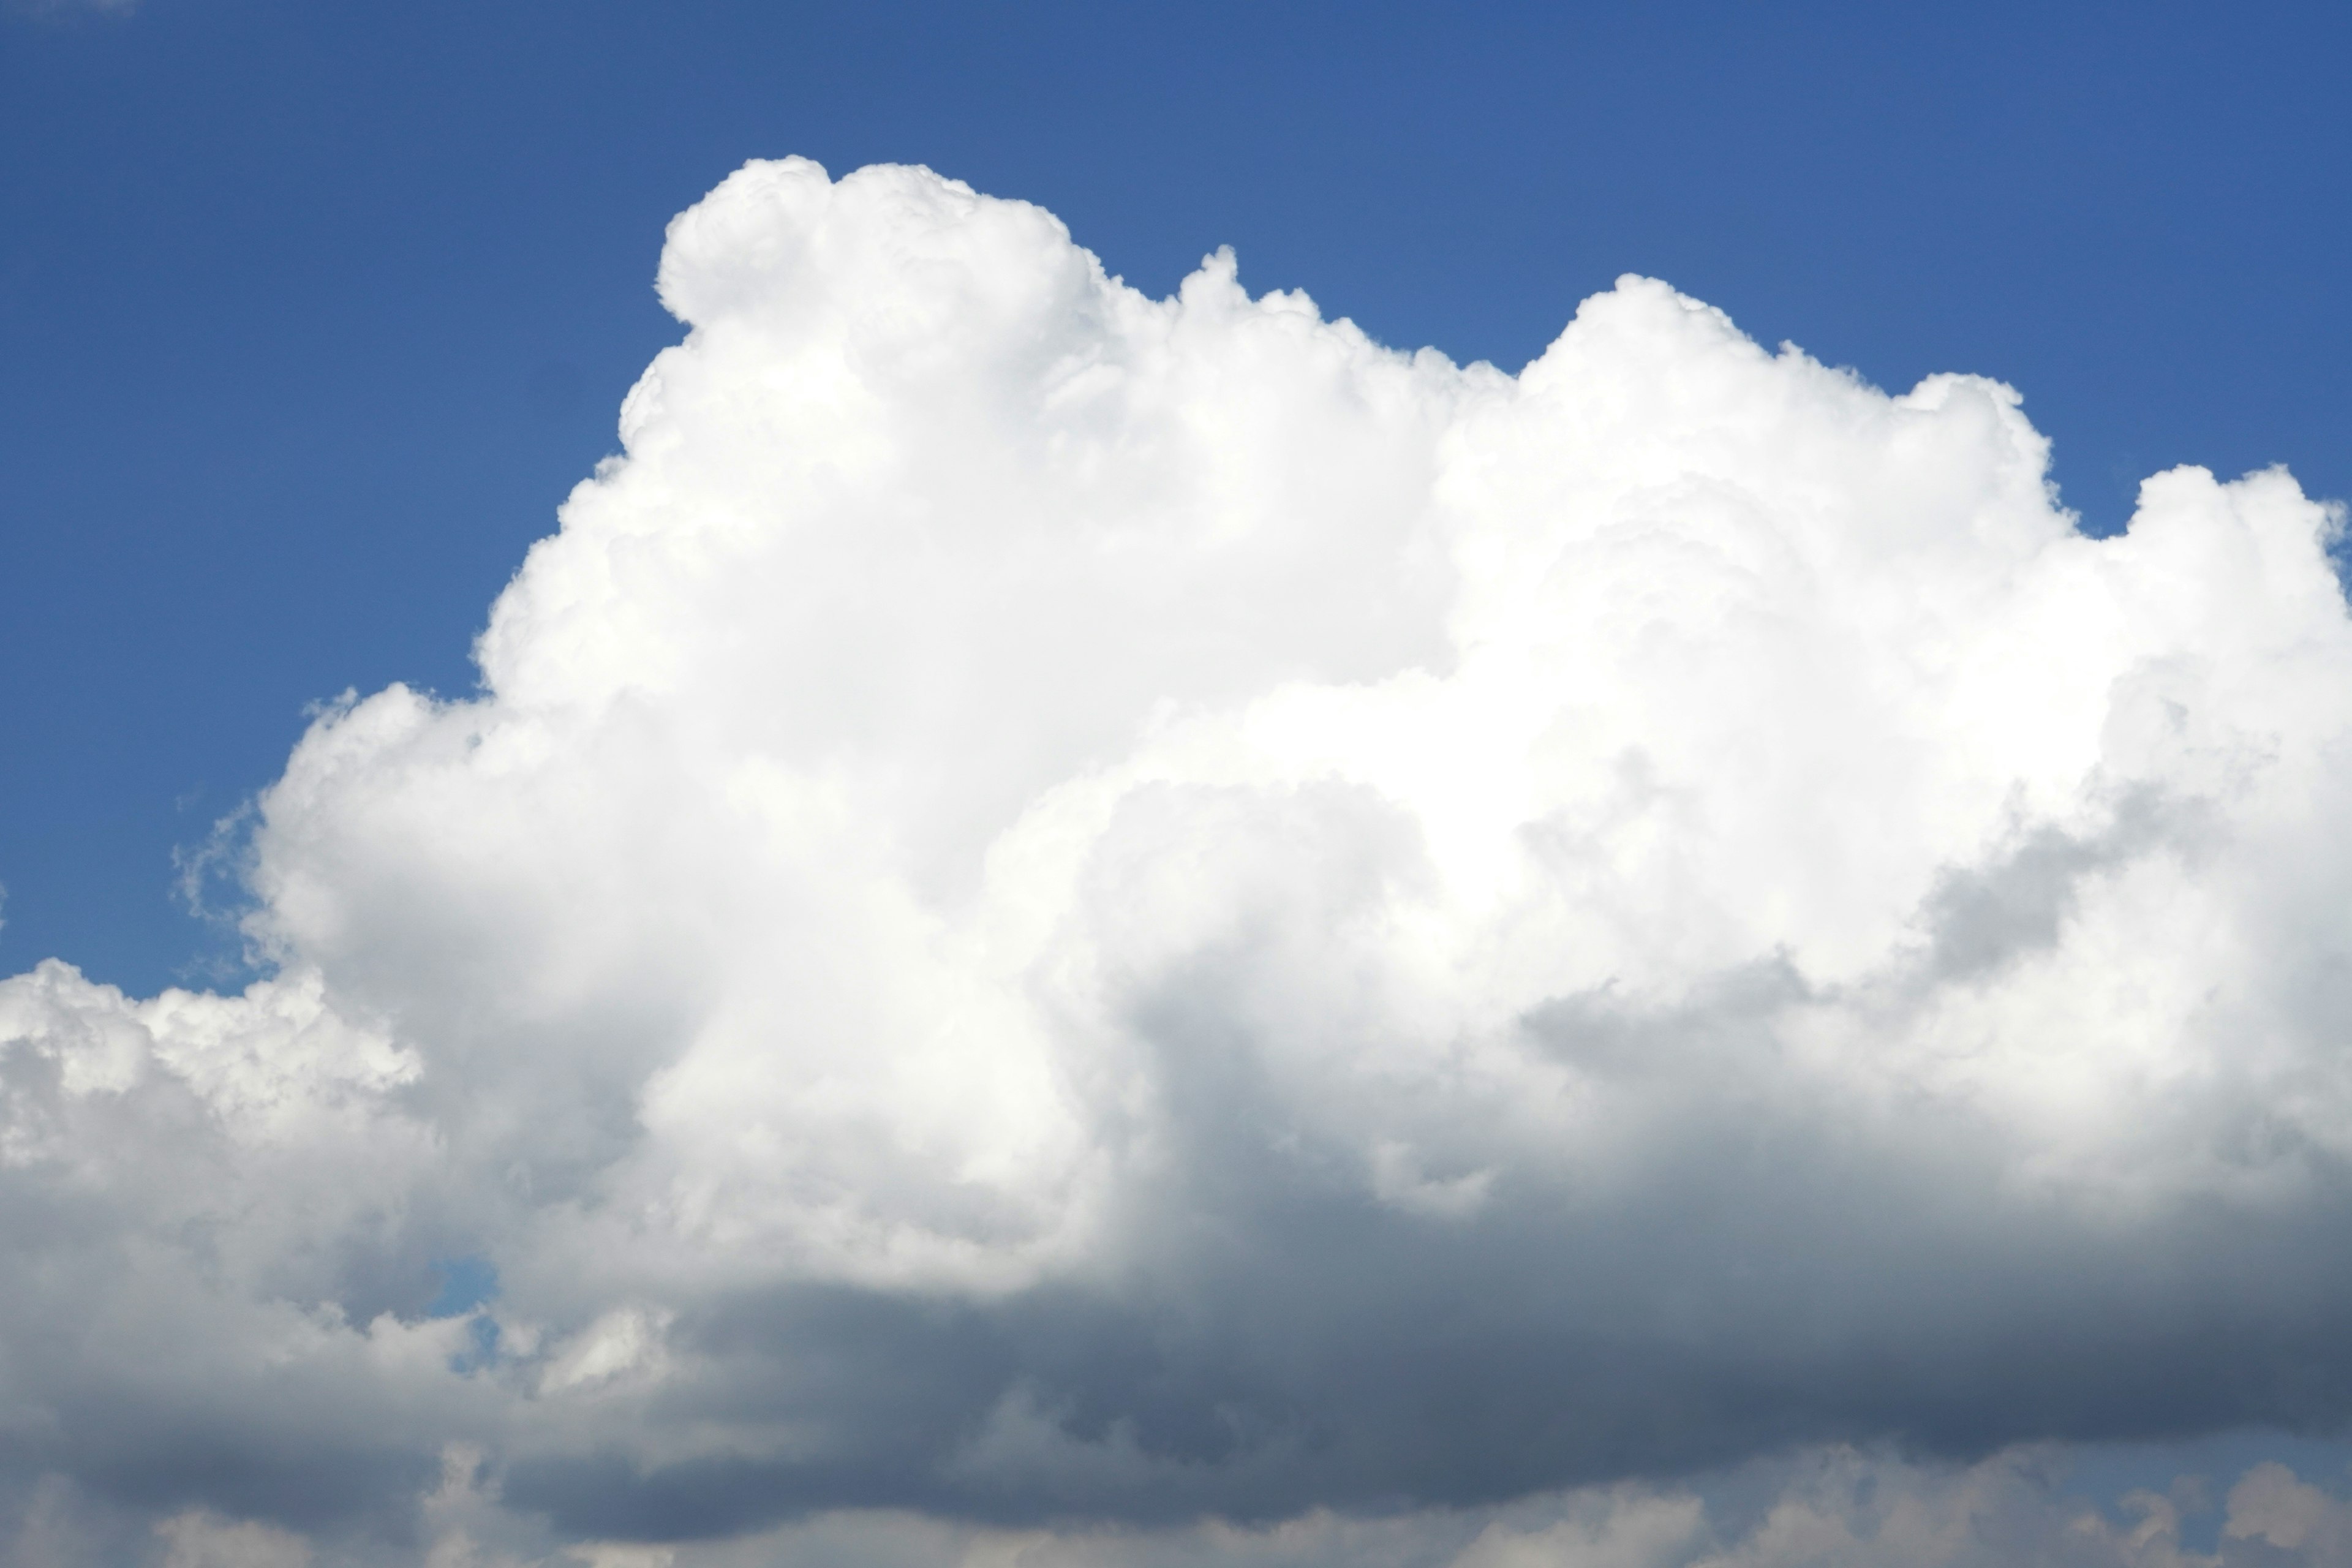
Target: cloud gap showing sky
{"type": "Point", "coordinates": [1080, 928]}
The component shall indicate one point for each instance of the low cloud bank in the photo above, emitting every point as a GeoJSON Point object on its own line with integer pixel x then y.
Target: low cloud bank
{"type": "Point", "coordinates": [1828, 1508]}
{"type": "Point", "coordinates": [1061, 907]}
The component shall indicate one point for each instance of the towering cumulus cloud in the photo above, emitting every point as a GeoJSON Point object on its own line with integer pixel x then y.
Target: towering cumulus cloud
{"type": "Point", "coordinates": [1066, 910]}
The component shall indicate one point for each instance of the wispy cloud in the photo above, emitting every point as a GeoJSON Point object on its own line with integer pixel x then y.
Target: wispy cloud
{"type": "Point", "coordinates": [59, 9]}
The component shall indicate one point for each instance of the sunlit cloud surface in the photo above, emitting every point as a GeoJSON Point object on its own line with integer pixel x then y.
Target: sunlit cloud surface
{"type": "Point", "coordinates": [1065, 914]}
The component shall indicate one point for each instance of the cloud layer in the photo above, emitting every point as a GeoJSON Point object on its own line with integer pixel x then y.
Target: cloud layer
{"type": "Point", "coordinates": [1061, 906]}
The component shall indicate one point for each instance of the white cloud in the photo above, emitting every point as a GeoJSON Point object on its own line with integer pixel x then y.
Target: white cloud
{"type": "Point", "coordinates": [1062, 905]}
{"type": "Point", "coordinates": [2272, 1505]}
{"type": "Point", "coordinates": [199, 1540]}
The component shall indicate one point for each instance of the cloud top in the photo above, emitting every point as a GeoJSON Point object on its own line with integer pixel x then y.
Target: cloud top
{"type": "Point", "coordinates": [1059, 904]}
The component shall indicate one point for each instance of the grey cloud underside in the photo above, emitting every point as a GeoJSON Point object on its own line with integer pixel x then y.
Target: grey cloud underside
{"type": "Point", "coordinates": [1774, 1280]}
{"type": "Point", "coordinates": [1431, 1402]}
{"type": "Point", "coordinates": [1068, 908]}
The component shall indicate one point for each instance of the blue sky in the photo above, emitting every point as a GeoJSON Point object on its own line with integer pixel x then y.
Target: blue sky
{"type": "Point", "coordinates": [1074, 910]}
{"type": "Point", "coordinates": [309, 315]}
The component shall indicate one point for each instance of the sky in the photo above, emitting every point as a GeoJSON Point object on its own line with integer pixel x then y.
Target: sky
{"type": "Point", "coordinates": [1260, 784]}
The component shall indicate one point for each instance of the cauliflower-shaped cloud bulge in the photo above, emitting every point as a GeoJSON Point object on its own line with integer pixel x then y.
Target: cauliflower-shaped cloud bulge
{"type": "Point", "coordinates": [1062, 906]}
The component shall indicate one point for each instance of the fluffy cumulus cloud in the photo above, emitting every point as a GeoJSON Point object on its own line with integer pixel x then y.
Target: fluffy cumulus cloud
{"type": "Point", "coordinates": [1064, 914]}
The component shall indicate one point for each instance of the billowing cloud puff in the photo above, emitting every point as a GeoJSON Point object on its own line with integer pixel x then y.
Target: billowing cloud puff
{"type": "Point", "coordinates": [1064, 906]}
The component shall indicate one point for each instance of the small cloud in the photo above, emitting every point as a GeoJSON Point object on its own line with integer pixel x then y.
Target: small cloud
{"type": "Point", "coordinates": [200, 1539]}
{"type": "Point", "coordinates": [64, 10]}
{"type": "Point", "coordinates": [623, 1342]}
